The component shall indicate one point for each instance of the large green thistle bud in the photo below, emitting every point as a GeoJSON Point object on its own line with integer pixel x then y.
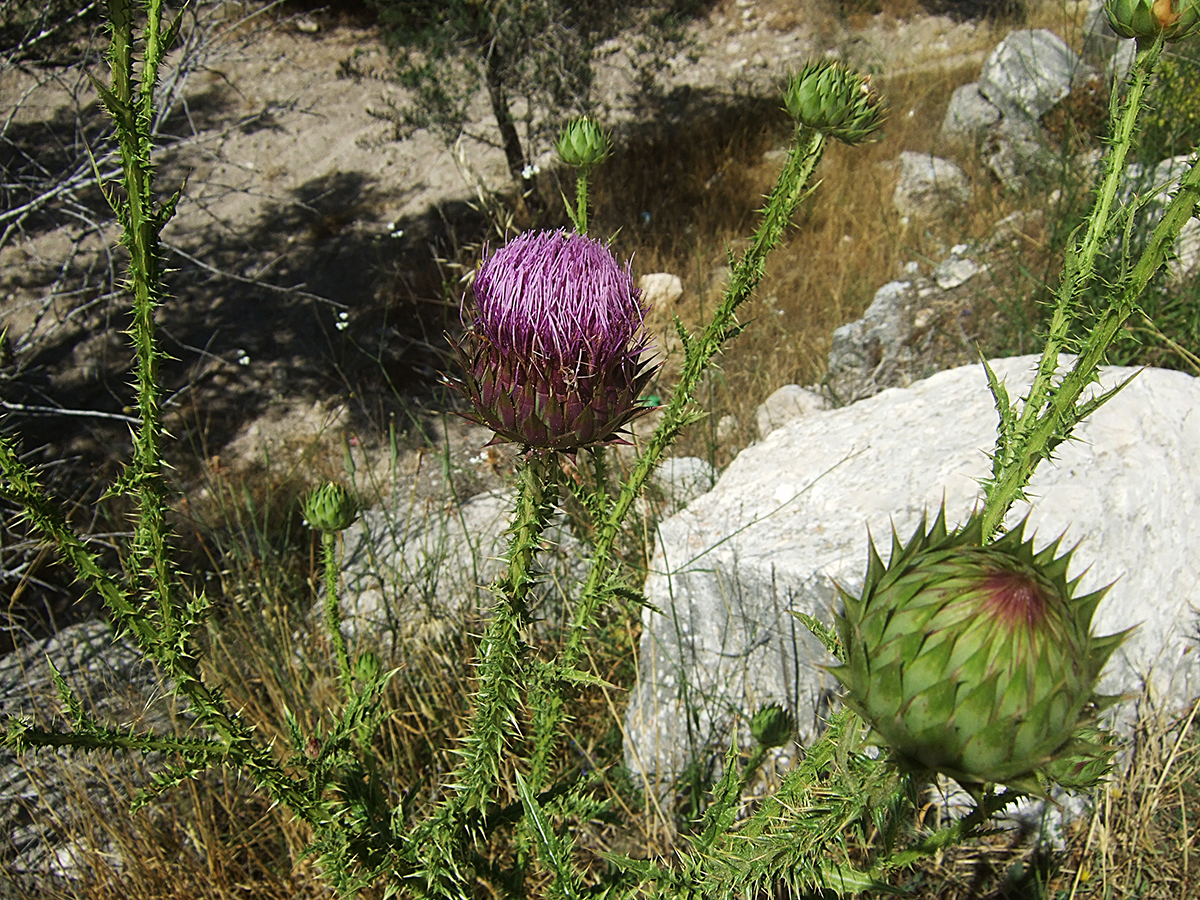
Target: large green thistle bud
{"type": "Point", "coordinates": [830, 98]}
{"type": "Point", "coordinates": [975, 661]}
{"type": "Point", "coordinates": [582, 144]}
{"type": "Point", "coordinates": [1146, 19]}
{"type": "Point", "coordinates": [553, 358]}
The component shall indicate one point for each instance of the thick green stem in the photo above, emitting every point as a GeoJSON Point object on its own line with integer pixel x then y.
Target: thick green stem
{"type": "Point", "coordinates": [1056, 422]}
{"type": "Point", "coordinates": [582, 178]}
{"type": "Point", "coordinates": [501, 671]}
{"type": "Point", "coordinates": [1081, 261]}
{"type": "Point", "coordinates": [142, 220]}
{"type": "Point", "coordinates": [1048, 413]}
{"type": "Point", "coordinates": [333, 612]}
{"type": "Point", "coordinates": [789, 190]}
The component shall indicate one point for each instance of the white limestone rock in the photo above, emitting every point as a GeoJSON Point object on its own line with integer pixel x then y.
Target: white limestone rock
{"type": "Point", "coordinates": [660, 290]}
{"type": "Point", "coordinates": [415, 573]}
{"type": "Point", "coordinates": [1027, 73]}
{"type": "Point", "coordinates": [969, 115]}
{"type": "Point", "coordinates": [789, 402]}
{"type": "Point", "coordinates": [790, 517]}
{"type": "Point", "coordinates": [928, 185]}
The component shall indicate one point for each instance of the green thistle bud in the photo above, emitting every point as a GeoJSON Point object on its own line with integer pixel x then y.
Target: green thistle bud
{"type": "Point", "coordinates": [583, 144]}
{"type": "Point", "coordinates": [772, 726]}
{"type": "Point", "coordinates": [976, 661]}
{"type": "Point", "coordinates": [329, 508]}
{"type": "Point", "coordinates": [367, 668]}
{"type": "Point", "coordinates": [1146, 19]}
{"type": "Point", "coordinates": [833, 99]}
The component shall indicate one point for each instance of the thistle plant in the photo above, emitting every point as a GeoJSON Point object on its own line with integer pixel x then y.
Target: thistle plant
{"type": "Point", "coordinates": [1147, 20]}
{"type": "Point", "coordinates": [328, 510]}
{"type": "Point", "coordinates": [969, 654]}
{"type": "Point", "coordinates": [1030, 430]}
{"type": "Point", "coordinates": [833, 99]}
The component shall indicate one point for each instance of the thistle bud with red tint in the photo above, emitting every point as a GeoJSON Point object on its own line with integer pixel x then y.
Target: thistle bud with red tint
{"type": "Point", "coordinates": [977, 661]}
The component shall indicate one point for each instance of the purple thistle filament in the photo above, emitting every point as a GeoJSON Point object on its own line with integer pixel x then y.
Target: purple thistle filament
{"type": "Point", "coordinates": [557, 296]}
{"type": "Point", "coordinates": [552, 352]}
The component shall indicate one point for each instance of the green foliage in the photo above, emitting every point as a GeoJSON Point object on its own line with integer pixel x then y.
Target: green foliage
{"type": "Point", "coordinates": [1046, 416]}
{"type": "Point", "coordinates": [1172, 123]}
{"type": "Point", "coordinates": [838, 101]}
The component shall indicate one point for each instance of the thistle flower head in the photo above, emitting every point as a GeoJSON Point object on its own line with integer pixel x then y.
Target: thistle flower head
{"type": "Point", "coordinates": [552, 354]}
{"type": "Point", "coordinates": [583, 144]}
{"type": "Point", "coordinates": [836, 100]}
{"type": "Point", "coordinates": [977, 661]}
{"type": "Point", "coordinates": [329, 508]}
{"type": "Point", "coordinates": [1146, 19]}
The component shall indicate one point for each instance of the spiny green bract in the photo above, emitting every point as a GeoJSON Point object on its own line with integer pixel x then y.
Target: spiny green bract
{"type": "Point", "coordinates": [583, 144]}
{"type": "Point", "coordinates": [975, 661]}
{"type": "Point", "coordinates": [772, 726]}
{"type": "Point", "coordinates": [330, 507]}
{"type": "Point", "coordinates": [835, 100]}
{"type": "Point", "coordinates": [1146, 19]}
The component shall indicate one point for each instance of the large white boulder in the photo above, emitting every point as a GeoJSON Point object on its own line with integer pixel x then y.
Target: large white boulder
{"type": "Point", "coordinates": [790, 518]}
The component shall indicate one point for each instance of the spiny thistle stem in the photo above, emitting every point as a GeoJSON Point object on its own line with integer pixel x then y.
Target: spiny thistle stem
{"type": "Point", "coordinates": [154, 625]}
{"type": "Point", "coordinates": [333, 611]}
{"type": "Point", "coordinates": [956, 832]}
{"type": "Point", "coordinates": [789, 190]}
{"type": "Point", "coordinates": [582, 179]}
{"type": "Point", "coordinates": [142, 220]}
{"type": "Point", "coordinates": [1049, 413]}
{"type": "Point", "coordinates": [500, 667]}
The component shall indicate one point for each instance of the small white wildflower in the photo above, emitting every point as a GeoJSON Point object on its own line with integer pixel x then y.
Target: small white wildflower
{"type": "Point", "coordinates": [530, 170]}
{"type": "Point", "coordinates": [243, 359]}
{"type": "Point", "coordinates": [343, 321]}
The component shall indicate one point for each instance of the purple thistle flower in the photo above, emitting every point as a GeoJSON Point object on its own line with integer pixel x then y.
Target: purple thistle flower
{"type": "Point", "coordinates": [552, 354]}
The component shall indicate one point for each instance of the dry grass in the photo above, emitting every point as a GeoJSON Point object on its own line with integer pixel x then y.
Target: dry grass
{"type": "Point", "coordinates": [1139, 839]}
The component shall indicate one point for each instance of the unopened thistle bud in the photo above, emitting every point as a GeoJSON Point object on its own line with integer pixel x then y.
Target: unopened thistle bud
{"type": "Point", "coordinates": [977, 661]}
{"type": "Point", "coordinates": [553, 354]}
{"type": "Point", "coordinates": [330, 508]}
{"type": "Point", "coordinates": [583, 144]}
{"type": "Point", "coordinates": [772, 726]}
{"type": "Point", "coordinates": [828, 97]}
{"type": "Point", "coordinates": [1147, 19]}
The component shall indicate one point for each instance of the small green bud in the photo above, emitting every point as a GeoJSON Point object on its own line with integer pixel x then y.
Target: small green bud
{"type": "Point", "coordinates": [828, 97]}
{"type": "Point", "coordinates": [772, 726]}
{"type": "Point", "coordinates": [583, 144]}
{"type": "Point", "coordinates": [330, 507]}
{"type": "Point", "coordinates": [367, 668]}
{"type": "Point", "coordinates": [1146, 19]}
